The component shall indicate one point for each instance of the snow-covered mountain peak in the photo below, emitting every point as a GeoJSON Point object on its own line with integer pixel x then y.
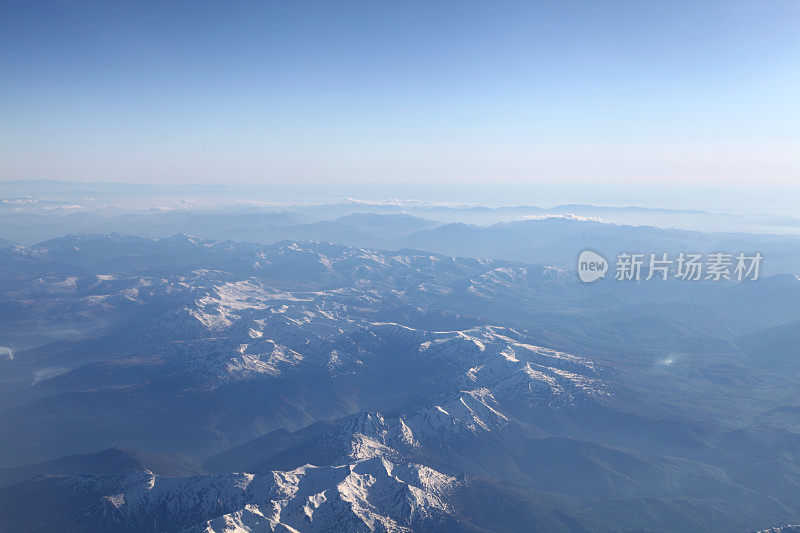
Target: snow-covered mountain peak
{"type": "Point", "coordinates": [366, 494]}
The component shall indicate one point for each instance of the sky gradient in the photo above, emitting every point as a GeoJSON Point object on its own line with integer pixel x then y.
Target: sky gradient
{"type": "Point", "coordinates": [458, 92]}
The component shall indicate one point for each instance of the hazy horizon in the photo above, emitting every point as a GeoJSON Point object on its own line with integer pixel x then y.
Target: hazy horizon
{"type": "Point", "coordinates": [733, 199]}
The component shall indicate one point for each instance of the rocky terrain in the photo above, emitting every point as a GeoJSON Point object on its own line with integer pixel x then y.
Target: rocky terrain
{"type": "Point", "coordinates": [221, 386]}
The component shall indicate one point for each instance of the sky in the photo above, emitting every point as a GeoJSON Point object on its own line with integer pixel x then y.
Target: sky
{"type": "Point", "coordinates": [461, 93]}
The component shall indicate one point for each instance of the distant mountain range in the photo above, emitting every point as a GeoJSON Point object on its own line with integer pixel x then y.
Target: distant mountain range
{"type": "Point", "coordinates": [181, 383]}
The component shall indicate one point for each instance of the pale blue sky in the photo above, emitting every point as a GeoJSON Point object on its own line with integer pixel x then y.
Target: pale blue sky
{"type": "Point", "coordinates": [463, 92]}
